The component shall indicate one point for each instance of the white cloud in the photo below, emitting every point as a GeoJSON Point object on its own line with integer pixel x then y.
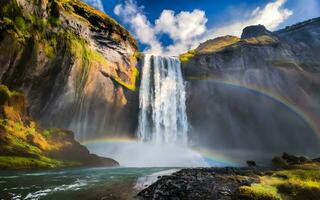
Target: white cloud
{"type": "Point", "coordinates": [182, 26]}
{"type": "Point", "coordinates": [188, 29]}
{"type": "Point", "coordinates": [141, 27]}
{"type": "Point", "coordinates": [96, 4]}
{"type": "Point", "coordinates": [271, 16]}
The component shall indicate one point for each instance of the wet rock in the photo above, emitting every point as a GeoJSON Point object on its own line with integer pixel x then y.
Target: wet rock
{"type": "Point", "coordinates": [199, 184]}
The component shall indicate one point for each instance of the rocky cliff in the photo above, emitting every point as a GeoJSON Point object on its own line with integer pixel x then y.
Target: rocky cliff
{"type": "Point", "coordinates": [24, 144]}
{"type": "Point", "coordinates": [75, 64]}
{"type": "Point", "coordinates": [258, 93]}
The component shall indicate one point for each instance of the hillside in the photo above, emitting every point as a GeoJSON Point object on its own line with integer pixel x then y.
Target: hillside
{"type": "Point", "coordinates": [71, 61]}
{"type": "Point", "coordinates": [24, 144]}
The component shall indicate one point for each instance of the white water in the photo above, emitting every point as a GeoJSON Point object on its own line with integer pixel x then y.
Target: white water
{"type": "Point", "coordinates": [162, 117]}
{"type": "Point", "coordinates": [163, 126]}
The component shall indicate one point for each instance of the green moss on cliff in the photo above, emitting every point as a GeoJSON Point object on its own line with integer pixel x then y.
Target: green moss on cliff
{"type": "Point", "coordinates": [187, 56]}
{"type": "Point", "coordinates": [261, 40]}
{"type": "Point", "coordinates": [210, 46]}
{"type": "Point", "coordinates": [19, 26]}
{"type": "Point", "coordinates": [45, 32]}
{"type": "Point", "coordinates": [216, 44]}
{"type": "Point", "coordinates": [24, 145]}
{"type": "Point", "coordinates": [50, 46]}
{"type": "Point", "coordinates": [95, 17]}
{"type": "Point", "coordinates": [137, 55]}
{"type": "Point", "coordinates": [88, 56]}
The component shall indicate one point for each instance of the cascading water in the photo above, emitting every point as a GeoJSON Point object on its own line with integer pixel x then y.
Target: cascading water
{"type": "Point", "coordinates": [162, 117]}
{"type": "Point", "coordinates": [163, 126]}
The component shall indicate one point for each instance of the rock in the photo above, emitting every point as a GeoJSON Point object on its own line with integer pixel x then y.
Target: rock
{"type": "Point", "coordinates": [251, 163]}
{"type": "Point", "coordinates": [316, 159]}
{"type": "Point", "coordinates": [74, 60]}
{"type": "Point", "coordinates": [254, 31]}
{"type": "Point", "coordinates": [23, 144]}
{"type": "Point", "coordinates": [279, 162]}
{"type": "Point", "coordinates": [198, 184]}
{"type": "Point", "coordinates": [234, 81]}
{"type": "Point", "coordinates": [292, 159]}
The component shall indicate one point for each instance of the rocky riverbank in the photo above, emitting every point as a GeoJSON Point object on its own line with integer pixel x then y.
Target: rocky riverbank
{"type": "Point", "coordinates": [290, 177]}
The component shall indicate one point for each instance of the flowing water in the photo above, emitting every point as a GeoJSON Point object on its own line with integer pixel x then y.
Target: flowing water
{"type": "Point", "coordinates": [162, 135]}
{"type": "Point", "coordinates": [162, 117]}
{"type": "Point", "coordinates": [72, 184]}
{"type": "Point", "coordinates": [162, 141]}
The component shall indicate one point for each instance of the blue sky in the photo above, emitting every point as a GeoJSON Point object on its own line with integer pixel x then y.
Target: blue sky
{"type": "Point", "coordinates": [174, 26]}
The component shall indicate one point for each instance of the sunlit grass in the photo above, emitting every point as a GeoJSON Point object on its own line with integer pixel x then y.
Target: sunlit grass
{"type": "Point", "coordinates": [300, 182]}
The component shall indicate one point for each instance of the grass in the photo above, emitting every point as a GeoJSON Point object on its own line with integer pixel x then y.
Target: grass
{"type": "Point", "coordinates": [11, 15]}
{"type": "Point", "coordinates": [22, 144]}
{"type": "Point", "coordinates": [300, 182]}
{"type": "Point", "coordinates": [46, 38]}
{"type": "Point", "coordinates": [185, 57]}
{"type": "Point", "coordinates": [259, 192]}
{"type": "Point", "coordinates": [285, 63]}
{"type": "Point", "coordinates": [137, 55]}
{"type": "Point", "coordinates": [217, 44]}
{"type": "Point", "coordinates": [221, 43]}
{"type": "Point", "coordinates": [56, 132]}
{"type": "Point", "coordinates": [85, 12]}
{"type": "Point", "coordinates": [50, 46]}
{"type": "Point", "coordinates": [262, 40]}
{"type": "Point", "coordinates": [88, 56]}
{"type": "Point", "coordinates": [210, 46]}
{"type": "Point", "coordinates": [17, 162]}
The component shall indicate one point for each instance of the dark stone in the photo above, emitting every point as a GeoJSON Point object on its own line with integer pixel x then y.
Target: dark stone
{"type": "Point", "coordinates": [200, 184]}
{"type": "Point", "coordinates": [279, 162]}
{"type": "Point", "coordinates": [222, 82]}
{"type": "Point", "coordinates": [251, 163]}
{"type": "Point", "coordinates": [254, 31]}
{"type": "Point", "coordinates": [316, 159]}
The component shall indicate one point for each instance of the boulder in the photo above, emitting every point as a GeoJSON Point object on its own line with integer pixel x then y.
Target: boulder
{"type": "Point", "coordinates": [254, 31]}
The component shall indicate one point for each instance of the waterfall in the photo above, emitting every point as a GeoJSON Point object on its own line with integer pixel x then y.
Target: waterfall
{"type": "Point", "coordinates": [162, 117]}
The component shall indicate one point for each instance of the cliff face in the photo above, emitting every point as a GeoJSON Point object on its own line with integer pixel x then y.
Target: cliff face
{"type": "Point", "coordinates": [75, 64]}
{"type": "Point", "coordinates": [23, 144]}
{"type": "Point", "coordinates": [259, 92]}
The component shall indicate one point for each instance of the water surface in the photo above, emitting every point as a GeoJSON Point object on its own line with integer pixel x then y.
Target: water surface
{"type": "Point", "coordinates": [83, 183]}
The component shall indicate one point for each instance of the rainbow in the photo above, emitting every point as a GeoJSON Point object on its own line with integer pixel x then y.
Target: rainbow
{"type": "Point", "coordinates": [216, 157]}
{"type": "Point", "coordinates": [312, 120]}
{"type": "Point", "coordinates": [109, 140]}
{"type": "Point", "coordinates": [209, 155]}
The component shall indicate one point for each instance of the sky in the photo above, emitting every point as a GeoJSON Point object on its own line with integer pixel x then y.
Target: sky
{"type": "Point", "coordinates": [171, 27]}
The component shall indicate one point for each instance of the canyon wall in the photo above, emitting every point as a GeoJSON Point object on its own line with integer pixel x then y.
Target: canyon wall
{"type": "Point", "coordinates": [76, 65]}
{"type": "Point", "coordinates": [257, 93]}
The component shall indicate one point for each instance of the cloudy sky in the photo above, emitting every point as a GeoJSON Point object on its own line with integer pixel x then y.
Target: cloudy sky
{"type": "Point", "coordinates": [172, 27]}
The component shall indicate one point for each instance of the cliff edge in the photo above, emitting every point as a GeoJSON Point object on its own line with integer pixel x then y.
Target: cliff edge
{"type": "Point", "coordinates": [76, 65]}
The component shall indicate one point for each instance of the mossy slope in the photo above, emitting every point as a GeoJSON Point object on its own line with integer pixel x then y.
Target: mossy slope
{"type": "Point", "coordinates": [25, 145]}
{"type": "Point", "coordinates": [298, 181]}
{"type": "Point", "coordinates": [66, 53]}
